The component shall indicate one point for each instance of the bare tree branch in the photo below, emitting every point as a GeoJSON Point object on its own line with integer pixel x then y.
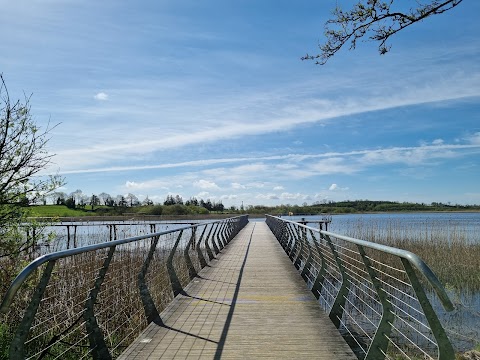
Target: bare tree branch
{"type": "Point", "coordinates": [23, 155]}
{"type": "Point", "coordinates": [375, 20]}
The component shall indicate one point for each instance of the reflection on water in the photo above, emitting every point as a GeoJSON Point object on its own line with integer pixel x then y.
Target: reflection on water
{"type": "Point", "coordinates": [462, 324]}
{"type": "Point", "coordinates": [76, 234]}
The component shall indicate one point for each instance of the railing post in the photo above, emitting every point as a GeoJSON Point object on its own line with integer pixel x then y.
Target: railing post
{"type": "Point", "coordinates": [215, 247]}
{"type": "Point", "coordinates": [284, 236]}
{"type": "Point", "coordinates": [292, 243]}
{"type": "Point", "coordinates": [203, 262]}
{"type": "Point", "coordinates": [220, 241]}
{"type": "Point", "coordinates": [379, 345]}
{"type": "Point", "coordinates": [17, 347]}
{"type": "Point", "coordinates": [232, 227]}
{"type": "Point", "coordinates": [445, 349]}
{"type": "Point", "coordinates": [95, 336]}
{"type": "Point", "coordinates": [235, 226]}
{"type": "Point", "coordinates": [221, 227]}
{"type": "Point", "coordinates": [226, 233]}
{"type": "Point", "coordinates": [207, 247]}
{"type": "Point", "coordinates": [336, 312]}
{"type": "Point", "coordinates": [151, 312]}
{"type": "Point", "coordinates": [298, 254]}
{"type": "Point", "coordinates": [192, 273]}
{"type": "Point", "coordinates": [176, 285]}
{"type": "Point", "coordinates": [279, 229]}
{"type": "Point", "coordinates": [318, 282]}
{"type": "Point", "coordinates": [308, 261]}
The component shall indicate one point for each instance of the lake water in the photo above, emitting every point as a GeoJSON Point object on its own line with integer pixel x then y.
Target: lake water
{"type": "Point", "coordinates": [448, 222]}
{"type": "Point", "coordinates": [82, 233]}
{"type": "Point", "coordinates": [85, 232]}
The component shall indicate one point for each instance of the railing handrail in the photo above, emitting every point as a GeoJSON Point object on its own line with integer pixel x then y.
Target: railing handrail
{"type": "Point", "coordinates": [370, 297]}
{"type": "Point", "coordinates": [414, 259]}
{"type": "Point", "coordinates": [35, 264]}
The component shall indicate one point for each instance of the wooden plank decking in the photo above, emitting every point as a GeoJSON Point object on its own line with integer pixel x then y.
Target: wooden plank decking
{"type": "Point", "coordinates": [250, 303]}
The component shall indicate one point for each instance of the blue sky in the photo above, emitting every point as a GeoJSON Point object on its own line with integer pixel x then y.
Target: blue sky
{"type": "Point", "coordinates": [210, 99]}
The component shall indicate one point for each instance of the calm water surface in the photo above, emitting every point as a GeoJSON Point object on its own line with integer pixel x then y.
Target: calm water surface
{"type": "Point", "coordinates": [468, 223]}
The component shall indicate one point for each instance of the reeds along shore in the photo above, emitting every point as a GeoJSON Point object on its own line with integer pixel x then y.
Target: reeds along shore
{"type": "Point", "coordinates": [61, 325]}
{"type": "Point", "coordinates": [452, 252]}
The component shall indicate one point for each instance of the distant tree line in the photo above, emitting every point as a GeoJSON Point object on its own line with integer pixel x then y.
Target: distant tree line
{"type": "Point", "coordinates": [78, 200]}
{"type": "Point", "coordinates": [106, 204]}
{"type": "Point", "coordinates": [193, 201]}
{"type": "Point", "coordinates": [362, 206]}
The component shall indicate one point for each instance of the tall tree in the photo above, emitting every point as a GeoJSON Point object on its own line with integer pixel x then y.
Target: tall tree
{"type": "Point", "coordinates": [94, 201]}
{"type": "Point", "coordinates": [59, 197]}
{"type": "Point", "coordinates": [170, 200]}
{"type": "Point", "coordinates": [178, 200]}
{"type": "Point", "coordinates": [77, 195]}
{"type": "Point", "coordinates": [120, 201]}
{"type": "Point", "coordinates": [147, 201]}
{"type": "Point", "coordinates": [105, 198]}
{"type": "Point", "coordinates": [132, 200]}
{"type": "Point", "coordinates": [23, 155]}
{"type": "Point", "coordinates": [70, 202]}
{"type": "Point", "coordinates": [376, 20]}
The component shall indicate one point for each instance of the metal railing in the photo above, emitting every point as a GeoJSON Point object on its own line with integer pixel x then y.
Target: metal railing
{"type": "Point", "coordinates": [371, 292]}
{"type": "Point", "coordinates": [93, 301]}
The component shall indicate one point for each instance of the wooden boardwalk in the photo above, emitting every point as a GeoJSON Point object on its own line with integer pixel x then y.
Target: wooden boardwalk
{"type": "Point", "coordinates": [250, 303]}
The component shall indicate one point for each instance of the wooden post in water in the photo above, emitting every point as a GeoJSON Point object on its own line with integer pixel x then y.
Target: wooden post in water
{"type": "Point", "coordinates": [68, 236]}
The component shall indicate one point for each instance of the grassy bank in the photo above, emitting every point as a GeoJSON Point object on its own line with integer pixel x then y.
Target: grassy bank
{"type": "Point", "coordinates": [342, 207]}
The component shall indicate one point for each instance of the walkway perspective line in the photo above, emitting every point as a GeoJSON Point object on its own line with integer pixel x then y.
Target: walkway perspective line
{"type": "Point", "coordinates": [249, 303]}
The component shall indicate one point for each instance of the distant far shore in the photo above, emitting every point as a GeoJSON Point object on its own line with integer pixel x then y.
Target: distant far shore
{"type": "Point", "coordinates": [194, 217]}
{"type": "Point", "coordinates": [197, 212]}
{"type": "Point", "coordinates": [139, 217]}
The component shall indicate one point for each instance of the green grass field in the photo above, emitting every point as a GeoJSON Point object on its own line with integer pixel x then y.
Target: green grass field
{"type": "Point", "coordinates": [60, 211]}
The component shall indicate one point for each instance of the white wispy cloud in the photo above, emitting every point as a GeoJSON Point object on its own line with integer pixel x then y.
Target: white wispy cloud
{"type": "Point", "coordinates": [329, 163]}
{"type": "Point", "coordinates": [294, 196]}
{"type": "Point", "coordinates": [101, 96]}
{"type": "Point", "coordinates": [238, 186]}
{"type": "Point", "coordinates": [220, 118]}
{"type": "Point", "coordinates": [205, 184]}
{"type": "Point", "coordinates": [229, 197]}
{"type": "Point", "coordinates": [269, 196]}
{"type": "Point", "coordinates": [335, 187]}
{"type": "Point", "coordinates": [474, 139]}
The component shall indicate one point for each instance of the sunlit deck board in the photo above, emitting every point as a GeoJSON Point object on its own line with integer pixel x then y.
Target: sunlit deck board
{"type": "Point", "coordinates": [249, 303]}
